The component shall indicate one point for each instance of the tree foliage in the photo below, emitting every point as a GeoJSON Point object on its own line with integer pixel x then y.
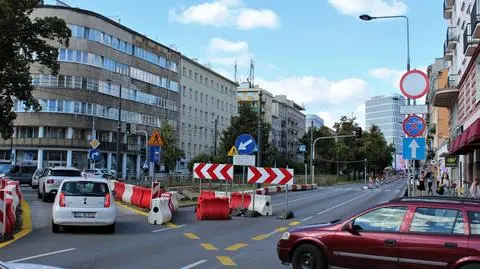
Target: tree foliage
{"type": "Point", "coordinates": [376, 149]}
{"type": "Point", "coordinates": [245, 123]}
{"type": "Point", "coordinates": [170, 152]}
{"type": "Point", "coordinates": [23, 41]}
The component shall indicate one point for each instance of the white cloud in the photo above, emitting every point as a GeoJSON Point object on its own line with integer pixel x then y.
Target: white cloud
{"type": "Point", "coordinates": [371, 7]}
{"type": "Point", "coordinates": [225, 13]}
{"type": "Point", "coordinates": [392, 75]}
{"type": "Point", "coordinates": [310, 89]}
{"type": "Point", "coordinates": [328, 118]}
{"type": "Point", "coordinates": [226, 52]}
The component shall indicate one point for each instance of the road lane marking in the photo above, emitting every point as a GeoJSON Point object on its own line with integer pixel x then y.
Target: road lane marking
{"type": "Point", "coordinates": [208, 246]}
{"type": "Point", "coordinates": [236, 247]}
{"type": "Point", "coordinates": [225, 260]}
{"type": "Point", "coordinates": [42, 255]}
{"type": "Point", "coordinates": [308, 197]}
{"type": "Point", "coordinates": [261, 237]}
{"type": "Point", "coordinates": [195, 264]}
{"type": "Point", "coordinates": [173, 225]}
{"type": "Point", "coordinates": [294, 223]}
{"type": "Point", "coordinates": [169, 228]}
{"type": "Point", "coordinates": [191, 236]}
{"type": "Point", "coordinates": [132, 209]}
{"type": "Point", "coordinates": [26, 224]}
{"type": "Point", "coordinates": [281, 229]}
{"type": "Point", "coordinates": [346, 202]}
{"type": "Point", "coordinates": [307, 218]}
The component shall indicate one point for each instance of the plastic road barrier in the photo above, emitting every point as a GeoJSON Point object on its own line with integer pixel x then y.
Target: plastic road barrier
{"type": "Point", "coordinates": [160, 212]}
{"type": "Point", "coordinates": [263, 205]}
{"type": "Point", "coordinates": [213, 209]}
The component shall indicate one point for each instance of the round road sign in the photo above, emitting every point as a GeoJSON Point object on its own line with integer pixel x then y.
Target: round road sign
{"type": "Point", "coordinates": [414, 126]}
{"type": "Point", "coordinates": [414, 84]}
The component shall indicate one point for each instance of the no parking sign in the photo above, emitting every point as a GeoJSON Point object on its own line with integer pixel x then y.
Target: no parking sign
{"type": "Point", "coordinates": [414, 126]}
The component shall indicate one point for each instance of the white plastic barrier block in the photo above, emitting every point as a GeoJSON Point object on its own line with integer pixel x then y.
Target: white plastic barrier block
{"type": "Point", "coordinates": [13, 195]}
{"type": "Point", "coordinates": [127, 195]}
{"type": "Point", "coordinates": [263, 205]}
{"type": "Point", "coordinates": [160, 212]}
{"type": "Point", "coordinates": [111, 184]}
{"type": "Point", "coordinates": [175, 200]}
{"type": "Point", "coordinates": [272, 189]}
{"type": "Point", "coordinates": [314, 186]}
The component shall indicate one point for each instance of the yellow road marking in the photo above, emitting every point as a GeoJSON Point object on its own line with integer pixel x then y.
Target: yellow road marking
{"type": "Point", "coordinates": [294, 223]}
{"type": "Point", "coordinates": [227, 261]}
{"type": "Point", "coordinates": [208, 246]}
{"type": "Point", "coordinates": [26, 224]}
{"type": "Point", "coordinates": [172, 225]}
{"type": "Point", "coordinates": [261, 237]}
{"type": "Point", "coordinates": [132, 209]}
{"type": "Point", "coordinates": [191, 236]}
{"type": "Point", "coordinates": [281, 229]}
{"type": "Point", "coordinates": [236, 247]}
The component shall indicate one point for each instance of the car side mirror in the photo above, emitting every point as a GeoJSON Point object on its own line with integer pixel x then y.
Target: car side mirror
{"type": "Point", "coordinates": [350, 227]}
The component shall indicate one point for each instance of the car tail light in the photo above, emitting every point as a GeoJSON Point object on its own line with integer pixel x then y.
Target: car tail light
{"type": "Point", "coordinates": [107, 200]}
{"type": "Point", "coordinates": [61, 201]}
{"type": "Point", "coordinates": [50, 181]}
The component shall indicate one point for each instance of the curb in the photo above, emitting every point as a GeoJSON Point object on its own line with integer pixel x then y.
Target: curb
{"type": "Point", "coordinates": [26, 228]}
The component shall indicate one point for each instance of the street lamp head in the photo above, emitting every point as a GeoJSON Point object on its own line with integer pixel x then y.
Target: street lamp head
{"type": "Point", "coordinates": [365, 17]}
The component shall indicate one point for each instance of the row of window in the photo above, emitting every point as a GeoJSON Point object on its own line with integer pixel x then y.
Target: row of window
{"type": "Point", "coordinates": [84, 108]}
{"type": "Point", "coordinates": [78, 82]}
{"type": "Point", "coordinates": [201, 149]}
{"type": "Point", "coordinates": [82, 32]}
{"type": "Point", "coordinates": [223, 89]}
{"type": "Point", "coordinates": [382, 108]}
{"type": "Point", "coordinates": [82, 57]}
{"type": "Point", "coordinates": [199, 97]}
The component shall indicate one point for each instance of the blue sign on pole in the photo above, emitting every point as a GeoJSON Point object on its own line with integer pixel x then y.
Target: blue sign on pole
{"type": "Point", "coordinates": [245, 144]}
{"type": "Point", "coordinates": [94, 154]}
{"type": "Point", "coordinates": [414, 148]}
{"type": "Point", "coordinates": [154, 154]}
{"type": "Point", "coordinates": [414, 126]}
{"type": "Point", "coordinates": [302, 148]}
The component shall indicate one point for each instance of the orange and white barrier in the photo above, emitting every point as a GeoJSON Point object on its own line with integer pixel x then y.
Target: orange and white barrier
{"type": "Point", "coordinates": [3, 212]}
{"type": "Point", "coordinates": [10, 198]}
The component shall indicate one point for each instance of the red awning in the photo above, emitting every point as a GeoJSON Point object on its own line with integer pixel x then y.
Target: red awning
{"type": "Point", "coordinates": [474, 133]}
{"type": "Point", "coordinates": [467, 141]}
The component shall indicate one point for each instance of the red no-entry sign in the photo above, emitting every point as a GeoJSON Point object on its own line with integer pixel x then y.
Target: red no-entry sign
{"type": "Point", "coordinates": [414, 84]}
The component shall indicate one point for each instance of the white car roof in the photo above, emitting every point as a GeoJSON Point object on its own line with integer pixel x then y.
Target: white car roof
{"type": "Point", "coordinates": [94, 179]}
{"type": "Point", "coordinates": [64, 168]}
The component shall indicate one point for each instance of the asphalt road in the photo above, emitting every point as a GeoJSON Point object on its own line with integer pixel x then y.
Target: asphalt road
{"type": "Point", "coordinates": [241, 242]}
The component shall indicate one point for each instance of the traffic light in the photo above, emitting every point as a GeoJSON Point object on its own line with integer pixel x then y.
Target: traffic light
{"type": "Point", "coordinates": [128, 128]}
{"type": "Point", "coordinates": [358, 132]}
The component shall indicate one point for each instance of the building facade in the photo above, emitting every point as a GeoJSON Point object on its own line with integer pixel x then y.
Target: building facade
{"type": "Point", "coordinates": [316, 120]}
{"type": "Point", "coordinates": [106, 64]}
{"type": "Point", "coordinates": [461, 92]}
{"type": "Point", "coordinates": [289, 127]}
{"type": "Point", "coordinates": [208, 102]}
{"type": "Point", "coordinates": [384, 111]}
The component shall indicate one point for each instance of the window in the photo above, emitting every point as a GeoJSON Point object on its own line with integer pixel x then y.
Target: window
{"type": "Point", "coordinates": [190, 74]}
{"type": "Point", "coordinates": [185, 71]}
{"type": "Point", "coordinates": [385, 219]}
{"type": "Point", "coordinates": [196, 76]}
{"type": "Point", "coordinates": [184, 91]}
{"type": "Point", "coordinates": [474, 218]}
{"type": "Point", "coordinates": [438, 221]}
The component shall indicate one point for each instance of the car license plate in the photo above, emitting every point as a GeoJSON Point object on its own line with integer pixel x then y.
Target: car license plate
{"type": "Point", "coordinates": [87, 215]}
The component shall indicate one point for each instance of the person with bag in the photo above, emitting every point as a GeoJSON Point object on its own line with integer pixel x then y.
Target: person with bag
{"type": "Point", "coordinates": [421, 183]}
{"type": "Point", "coordinates": [444, 181]}
{"type": "Point", "coordinates": [475, 188]}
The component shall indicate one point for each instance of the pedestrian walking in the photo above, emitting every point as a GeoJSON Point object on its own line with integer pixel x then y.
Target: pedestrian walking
{"type": "Point", "coordinates": [430, 182]}
{"type": "Point", "coordinates": [442, 184]}
{"type": "Point", "coordinates": [475, 188]}
{"type": "Point", "coordinates": [421, 183]}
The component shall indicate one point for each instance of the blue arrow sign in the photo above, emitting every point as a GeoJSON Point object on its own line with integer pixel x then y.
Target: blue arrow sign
{"type": "Point", "coordinates": [154, 154]}
{"type": "Point", "coordinates": [414, 148]}
{"type": "Point", "coordinates": [245, 144]}
{"type": "Point", "coordinates": [94, 154]}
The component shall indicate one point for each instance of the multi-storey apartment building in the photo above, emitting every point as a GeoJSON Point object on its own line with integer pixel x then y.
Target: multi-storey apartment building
{"type": "Point", "coordinates": [289, 127]}
{"type": "Point", "coordinates": [208, 102]}
{"type": "Point", "coordinates": [461, 92]}
{"type": "Point", "coordinates": [106, 64]}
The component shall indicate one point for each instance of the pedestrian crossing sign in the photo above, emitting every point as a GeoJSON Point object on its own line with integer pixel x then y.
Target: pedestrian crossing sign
{"type": "Point", "coordinates": [155, 139]}
{"type": "Point", "coordinates": [232, 152]}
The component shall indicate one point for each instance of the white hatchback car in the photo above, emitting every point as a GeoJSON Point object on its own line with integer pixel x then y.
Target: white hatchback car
{"type": "Point", "coordinates": [84, 202]}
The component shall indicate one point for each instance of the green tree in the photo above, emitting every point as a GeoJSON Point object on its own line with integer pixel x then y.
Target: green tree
{"type": "Point", "coordinates": [378, 152]}
{"type": "Point", "coordinates": [23, 41]}
{"type": "Point", "coordinates": [245, 123]}
{"type": "Point", "coordinates": [170, 152]}
{"type": "Point", "coordinates": [200, 158]}
{"type": "Point", "coordinates": [348, 148]}
{"type": "Point", "coordinates": [324, 149]}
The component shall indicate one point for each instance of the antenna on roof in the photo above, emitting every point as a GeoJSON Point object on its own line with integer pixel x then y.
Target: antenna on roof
{"type": "Point", "coordinates": [173, 46]}
{"type": "Point", "coordinates": [116, 18]}
{"type": "Point", "coordinates": [61, 3]}
{"type": "Point", "coordinates": [235, 73]}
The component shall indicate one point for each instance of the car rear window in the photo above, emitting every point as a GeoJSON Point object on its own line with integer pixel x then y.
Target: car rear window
{"type": "Point", "coordinates": [28, 169]}
{"type": "Point", "coordinates": [84, 188]}
{"type": "Point", "coordinates": [474, 219]}
{"type": "Point", "coordinates": [437, 221]}
{"type": "Point", "coordinates": [65, 173]}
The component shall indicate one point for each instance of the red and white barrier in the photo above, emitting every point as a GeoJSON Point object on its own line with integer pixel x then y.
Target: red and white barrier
{"type": "Point", "coordinates": [213, 171]}
{"type": "Point", "coordinates": [3, 212]}
{"type": "Point", "coordinates": [267, 175]}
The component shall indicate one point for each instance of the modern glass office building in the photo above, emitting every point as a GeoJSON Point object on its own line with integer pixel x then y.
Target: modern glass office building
{"type": "Point", "coordinates": [384, 111]}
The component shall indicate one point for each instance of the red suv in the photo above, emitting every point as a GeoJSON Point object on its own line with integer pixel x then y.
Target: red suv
{"type": "Point", "coordinates": [408, 232]}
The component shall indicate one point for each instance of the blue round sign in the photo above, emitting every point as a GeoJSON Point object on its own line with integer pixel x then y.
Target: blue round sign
{"type": "Point", "coordinates": [414, 126]}
{"type": "Point", "coordinates": [94, 154]}
{"type": "Point", "coordinates": [245, 144]}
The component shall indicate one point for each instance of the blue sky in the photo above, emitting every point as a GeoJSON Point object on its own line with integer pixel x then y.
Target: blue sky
{"type": "Point", "coordinates": [318, 52]}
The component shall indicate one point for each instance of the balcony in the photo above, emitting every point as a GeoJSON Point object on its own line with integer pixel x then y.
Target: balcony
{"type": "Point", "coordinates": [66, 143]}
{"type": "Point", "coordinates": [446, 97]}
{"type": "Point", "coordinates": [475, 20]}
{"type": "Point", "coordinates": [449, 3]}
{"type": "Point", "coordinates": [447, 53]}
{"type": "Point", "coordinates": [447, 10]}
{"type": "Point", "coordinates": [452, 38]}
{"type": "Point", "coordinates": [469, 43]}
